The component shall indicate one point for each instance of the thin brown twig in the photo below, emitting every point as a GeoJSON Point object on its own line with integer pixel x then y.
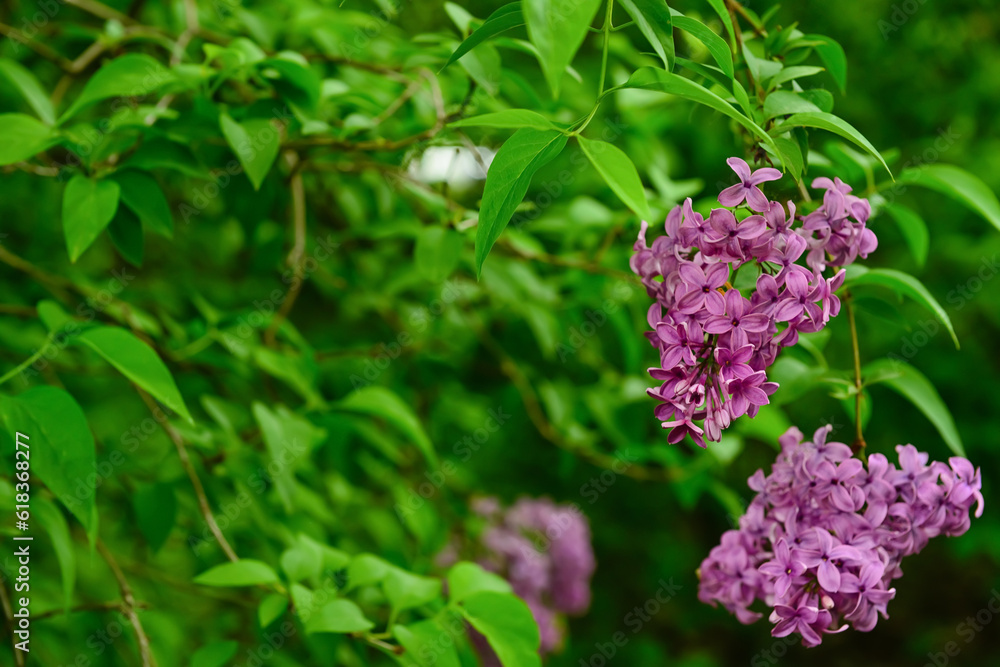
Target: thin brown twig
{"type": "Point", "coordinates": [102, 11]}
{"type": "Point", "coordinates": [90, 606]}
{"type": "Point", "coordinates": [199, 490]}
{"type": "Point", "coordinates": [191, 29]}
{"type": "Point", "coordinates": [298, 248]}
{"type": "Point", "coordinates": [38, 47]}
{"type": "Point", "coordinates": [8, 614]}
{"type": "Point", "coordinates": [129, 606]}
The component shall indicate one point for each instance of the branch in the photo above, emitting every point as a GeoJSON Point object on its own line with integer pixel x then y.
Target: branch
{"type": "Point", "coordinates": [129, 606]}
{"type": "Point", "coordinates": [199, 490]}
{"type": "Point", "coordinates": [298, 248]}
{"type": "Point", "coordinates": [91, 606]}
{"type": "Point", "coordinates": [38, 47]}
{"type": "Point", "coordinates": [8, 614]}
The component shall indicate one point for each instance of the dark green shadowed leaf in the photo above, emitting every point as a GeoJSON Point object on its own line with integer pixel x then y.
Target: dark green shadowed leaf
{"type": "Point", "coordinates": [652, 17]}
{"type": "Point", "coordinates": [216, 654]}
{"type": "Point", "coordinates": [138, 362]}
{"type": "Point", "coordinates": [958, 184]}
{"type": "Point", "coordinates": [255, 142]}
{"type": "Point", "coordinates": [155, 510]}
{"type": "Point", "coordinates": [126, 233]}
{"type": "Point", "coordinates": [54, 523]}
{"type": "Point", "coordinates": [131, 75]}
{"type": "Point", "coordinates": [716, 46]}
{"type": "Point", "coordinates": [618, 171]}
{"type": "Point", "coordinates": [506, 17]}
{"type": "Point", "coordinates": [910, 383]}
{"type": "Point", "coordinates": [141, 193]}
{"type": "Point", "coordinates": [913, 228]}
{"type": "Point", "coordinates": [507, 182]}
{"type": "Point", "coordinates": [26, 84]}
{"type": "Point", "coordinates": [88, 206]}
{"type": "Point", "coordinates": [61, 446]}
{"type": "Point", "coordinates": [380, 402]}
{"type": "Point", "coordinates": [557, 29]}
{"type": "Point", "coordinates": [902, 284]}
{"type": "Point", "coordinates": [423, 643]}
{"type": "Point", "coordinates": [833, 57]}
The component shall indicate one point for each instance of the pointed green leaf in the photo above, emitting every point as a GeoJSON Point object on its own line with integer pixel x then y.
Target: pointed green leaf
{"type": "Point", "coordinates": [958, 184]}
{"type": "Point", "coordinates": [289, 438]}
{"type": "Point", "coordinates": [380, 402]}
{"type": "Point", "coordinates": [131, 75]}
{"type": "Point", "coordinates": [830, 123]}
{"type": "Point", "coordinates": [905, 285]}
{"type": "Point", "coordinates": [720, 8]}
{"type": "Point", "coordinates": [88, 206]}
{"type": "Point", "coordinates": [617, 170]}
{"type": "Point", "coordinates": [61, 447]}
{"type": "Point", "coordinates": [833, 57]}
{"type": "Point", "coordinates": [29, 87]}
{"type": "Point", "coordinates": [216, 654]}
{"type": "Point", "coordinates": [54, 523]}
{"type": "Point", "coordinates": [244, 572]}
{"type": "Point", "coordinates": [128, 236]}
{"type": "Point", "coordinates": [423, 643]}
{"type": "Point", "coordinates": [507, 182]}
{"type": "Point", "coordinates": [141, 193]}
{"type": "Point", "coordinates": [717, 47]}
{"type": "Point", "coordinates": [506, 17]}
{"type": "Point", "coordinates": [406, 591]}
{"type": "Point", "coordinates": [792, 73]}
{"type": "Point", "coordinates": [508, 626]}
{"type": "Point", "coordinates": [512, 118]}
{"type": "Point", "coordinates": [916, 388]}
{"type": "Point", "coordinates": [557, 30]}
{"type": "Point", "coordinates": [23, 137]}
{"type": "Point", "coordinates": [339, 616]}
{"type": "Point", "coordinates": [138, 362]}
{"type": "Point", "coordinates": [785, 102]}
{"type": "Point", "coordinates": [913, 229]}
{"type": "Point", "coordinates": [465, 579]}
{"type": "Point", "coordinates": [255, 142]}
{"type": "Point", "coordinates": [271, 608]}
{"type": "Point", "coordinates": [652, 17]}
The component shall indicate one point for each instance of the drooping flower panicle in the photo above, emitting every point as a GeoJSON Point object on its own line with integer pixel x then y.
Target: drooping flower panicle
{"type": "Point", "coordinates": [825, 535]}
{"type": "Point", "coordinates": [715, 342]}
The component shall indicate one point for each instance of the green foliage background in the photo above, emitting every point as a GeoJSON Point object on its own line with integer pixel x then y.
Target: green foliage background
{"type": "Point", "coordinates": [395, 354]}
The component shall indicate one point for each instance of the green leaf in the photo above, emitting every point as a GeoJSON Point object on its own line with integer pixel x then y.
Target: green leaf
{"type": "Point", "coordinates": [790, 155]}
{"type": "Point", "coordinates": [255, 142]}
{"type": "Point", "coordinates": [138, 362]}
{"type": "Point", "coordinates": [716, 46]}
{"type": "Point", "coordinates": [423, 642]}
{"type": "Point", "coordinates": [366, 570]}
{"type": "Point", "coordinates": [830, 123]}
{"type": "Point", "coordinates": [958, 184]}
{"type": "Point", "coordinates": [465, 579]}
{"type": "Point", "coordinates": [295, 81]}
{"type": "Point", "coordinates": [720, 8]}
{"type": "Point", "coordinates": [651, 78]}
{"type": "Point", "coordinates": [785, 102]}
{"type": "Point", "coordinates": [131, 75]}
{"type": "Point", "coordinates": [437, 252]}
{"type": "Point", "coordinates": [904, 285]}
{"type": "Point", "coordinates": [141, 193]}
{"type": "Point", "coordinates": [912, 385]}
{"type": "Point", "coordinates": [244, 572]}
{"type": "Point", "coordinates": [338, 616]}
{"type": "Point", "coordinates": [216, 654]}
{"type": "Point", "coordinates": [61, 447]}
{"type": "Point", "coordinates": [507, 182]}
{"type": "Point", "coordinates": [155, 511]}
{"type": "Point", "coordinates": [503, 19]}
{"type": "Point", "coordinates": [617, 170]}
{"type": "Point", "coordinates": [913, 228]}
{"type": "Point", "coordinates": [792, 73]}
{"type": "Point", "coordinates": [55, 525]}
{"type": "Point", "coordinates": [302, 561]}
{"type": "Point", "coordinates": [508, 626]}
{"type": "Point", "coordinates": [652, 17]}
{"type": "Point", "coordinates": [406, 591]}
{"type": "Point", "coordinates": [289, 438]}
{"type": "Point", "coordinates": [833, 57]}
{"type": "Point", "coordinates": [128, 236]}
{"type": "Point", "coordinates": [29, 87]}
{"type": "Point", "coordinates": [512, 118]}
{"type": "Point", "coordinates": [557, 30]}
{"type": "Point", "coordinates": [381, 402]}
{"type": "Point", "coordinates": [87, 208]}
{"type": "Point", "coordinates": [271, 608]}
{"type": "Point", "coordinates": [23, 137]}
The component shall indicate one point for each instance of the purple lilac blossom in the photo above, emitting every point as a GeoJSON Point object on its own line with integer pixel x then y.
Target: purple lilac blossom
{"type": "Point", "coordinates": [544, 550]}
{"type": "Point", "coordinates": [825, 535]}
{"type": "Point", "coordinates": [716, 344]}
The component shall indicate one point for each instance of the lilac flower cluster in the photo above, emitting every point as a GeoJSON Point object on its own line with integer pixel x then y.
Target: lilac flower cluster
{"type": "Point", "coordinates": [825, 535]}
{"type": "Point", "coordinates": [715, 343]}
{"type": "Point", "coordinates": [544, 551]}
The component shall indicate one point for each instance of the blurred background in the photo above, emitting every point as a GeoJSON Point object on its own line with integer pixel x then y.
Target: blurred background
{"type": "Point", "coordinates": [551, 335]}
